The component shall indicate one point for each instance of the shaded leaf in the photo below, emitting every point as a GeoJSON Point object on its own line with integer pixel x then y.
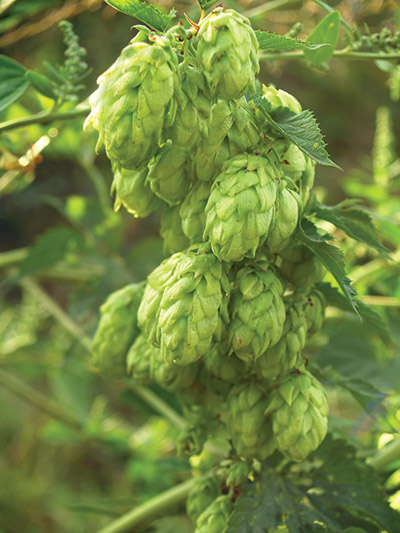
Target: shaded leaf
{"type": "Point", "coordinates": [331, 257]}
{"type": "Point", "coordinates": [367, 395]}
{"type": "Point", "coordinates": [147, 13]}
{"type": "Point", "coordinates": [300, 128]}
{"type": "Point", "coordinates": [356, 222]}
{"type": "Point", "coordinates": [13, 82]}
{"type": "Point", "coordinates": [205, 4]}
{"type": "Point", "coordinates": [325, 32]}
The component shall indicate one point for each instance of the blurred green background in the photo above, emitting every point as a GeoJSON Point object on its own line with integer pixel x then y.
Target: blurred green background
{"type": "Point", "coordinates": [77, 450]}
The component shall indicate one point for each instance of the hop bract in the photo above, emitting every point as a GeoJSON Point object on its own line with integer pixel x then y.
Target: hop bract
{"type": "Point", "coordinates": [214, 519]}
{"type": "Point", "coordinates": [299, 411]}
{"type": "Point", "coordinates": [116, 330]}
{"type": "Point", "coordinates": [227, 50]}
{"type": "Point", "coordinates": [240, 208]}
{"type": "Point", "coordinates": [136, 101]}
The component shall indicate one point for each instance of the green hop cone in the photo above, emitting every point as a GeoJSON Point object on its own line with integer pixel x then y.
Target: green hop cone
{"type": "Point", "coordinates": [257, 311]}
{"type": "Point", "coordinates": [172, 377]}
{"type": "Point", "coordinates": [201, 496]}
{"type": "Point", "coordinates": [300, 267]}
{"type": "Point", "coordinates": [284, 356]}
{"type": "Point", "coordinates": [223, 365]}
{"type": "Point", "coordinates": [190, 306]}
{"type": "Point", "coordinates": [150, 305]}
{"type": "Point", "coordinates": [171, 231]}
{"type": "Point", "coordinates": [194, 109]}
{"type": "Point", "coordinates": [279, 98]}
{"type": "Point", "coordinates": [227, 50]}
{"type": "Point", "coordinates": [132, 191]}
{"type": "Point", "coordinates": [286, 216]}
{"type": "Point", "coordinates": [136, 101]}
{"type": "Point", "coordinates": [116, 330]}
{"type": "Point", "coordinates": [168, 174]}
{"type": "Point", "coordinates": [192, 211]}
{"type": "Point", "coordinates": [244, 134]}
{"type": "Point", "coordinates": [315, 311]}
{"type": "Point", "coordinates": [298, 409]}
{"type": "Point", "coordinates": [139, 359]}
{"type": "Point", "coordinates": [249, 428]}
{"type": "Point", "coordinates": [214, 519]}
{"type": "Point", "coordinates": [240, 208]}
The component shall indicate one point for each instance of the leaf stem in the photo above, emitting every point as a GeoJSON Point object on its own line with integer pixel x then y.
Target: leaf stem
{"type": "Point", "coordinates": [44, 118]}
{"type": "Point", "coordinates": [346, 53]}
{"type": "Point", "coordinates": [39, 400]}
{"type": "Point", "coordinates": [12, 257]}
{"type": "Point", "coordinates": [386, 455]}
{"type": "Point", "coordinates": [155, 506]}
{"type": "Point", "coordinates": [268, 6]}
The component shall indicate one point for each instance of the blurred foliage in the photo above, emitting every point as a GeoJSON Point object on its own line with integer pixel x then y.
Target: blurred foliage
{"type": "Point", "coordinates": [111, 451]}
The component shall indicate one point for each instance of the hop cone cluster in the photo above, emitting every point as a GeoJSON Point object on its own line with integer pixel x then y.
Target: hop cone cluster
{"type": "Point", "coordinates": [223, 322]}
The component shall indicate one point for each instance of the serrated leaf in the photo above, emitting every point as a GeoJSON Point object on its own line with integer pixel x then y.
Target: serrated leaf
{"type": "Point", "coordinates": [356, 222]}
{"type": "Point", "coordinates": [333, 490]}
{"type": "Point", "coordinates": [13, 83]}
{"type": "Point", "coordinates": [299, 128]}
{"type": "Point", "coordinates": [366, 394]}
{"type": "Point", "coordinates": [330, 256]}
{"type": "Point", "coordinates": [50, 248]}
{"type": "Point", "coordinates": [376, 322]}
{"type": "Point", "coordinates": [274, 41]}
{"type": "Point", "coordinates": [325, 32]}
{"type": "Point", "coordinates": [205, 4]}
{"type": "Point", "coordinates": [147, 13]}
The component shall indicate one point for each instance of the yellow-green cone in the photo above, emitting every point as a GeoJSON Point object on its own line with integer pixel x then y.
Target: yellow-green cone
{"type": "Point", "coordinates": [139, 359]}
{"type": "Point", "coordinates": [201, 496]}
{"type": "Point", "coordinates": [227, 51]}
{"type": "Point", "coordinates": [286, 215]}
{"type": "Point", "coordinates": [171, 231]}
{"type": "Point", "coordinates": [240, 208]}
{"type": "Point", "coordinates": [214, 519]}
{"type": "Point", "coordinates": [298, 409]}
{"type": "Point", "coordinates": [300, 267]}
{"type": "Point", "coordinates": [192, 211]}
{"type": "Point", "coordinates": [116, 330]}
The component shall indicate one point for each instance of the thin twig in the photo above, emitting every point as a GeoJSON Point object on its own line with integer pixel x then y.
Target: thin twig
{"type": "Point", "coordinates": [44, 118]}
{"type": "Point", "coordinates": [344, 53]}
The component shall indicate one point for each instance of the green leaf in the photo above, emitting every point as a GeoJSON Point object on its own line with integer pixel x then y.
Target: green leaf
{"type": "Point", "coordinates": [330, 256]}
{"type": "Point", "coordinates": [366, 394]}
{"type": "Point", "coordinates": [356, 222]}
{"type": "Point", "coordinates": [147, 13]}
{"type": "Point", "coordinates": [329, 492]}
{"type": "Point", "coordinates": [50, 248]}
{"type": "Point", "coordinates": [274, 41]}
{"type": "Point", "coordinates": [300, 128]}
{"type": "Point", "coordinates": [325, 32]}
{"type": "Point", "coordinates": [376, 321]}
{"type": "Point", "coordinates": [13, 83]}
{"type": "Point", "coordinates": [205, 4]}
{"type": "Point", "coordinates": [41, 83]}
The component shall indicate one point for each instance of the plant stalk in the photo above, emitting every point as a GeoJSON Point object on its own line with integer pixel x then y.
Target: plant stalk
{"type": "Point", "coordinates": [44, 118]}
{"type": "Point", "coordinates": [345, 53]}
{"type": "Point", "coordinates": [148, 510]}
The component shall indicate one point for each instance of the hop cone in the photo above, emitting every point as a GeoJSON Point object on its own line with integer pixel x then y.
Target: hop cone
{"type": "Point", "coordinates": [194, 109]}
{"type": "Point", "coordinates": [315, 311]}
{"type": "Point", "coordinates": [150, 305]}
{"type": "Point", "coordinates": [136, 101]}
{"type": "Point", "coordinates": [257, 311]}
{"type": "Point", "coordinates": [170, 376]}
{"type": "Point", "coordinates": [228, 52]}
{"type": "Point", "coordinates": [139, 359]}
{"type": "Point", "coordinates": [250, 429]}
{"type": "Point", "coordinates": [240, 208]}
{"type": "Point", "coordinates": [190, 304]}
{"type": "Point", "coordinates": [298, 410]}
{"type": "Point", "coordinates": [293, 160]}
{"type": "Point", "coordinates": [300, 266]}
{"type": "Point", "coordinates": [226, 367]}
{"type": "Point", "coordinates": [201, 496]}
{"type": "Point", "coordinates": [171, 231]}
{"type": "Point", "coordinates": [208, 157]}
{"type": "Point", "coordinates": [116, 330]}
{"type": "Point", "coordinates": [214, 519]}
{"type": "Point", "coordinates": [306, 181]}
{"type": "Point", "coordinates": [283, 357]}
{"type": "Point", "coordinates": [279, 98]}
{"type": "Point", "coordinates": [168, 175]}
{"type": "Point", "coordinates": [132, 191]}
{"type": "Point", "coordinates": [286, 215]}
{"type": "Point", "coordinates": [244, 134]}
{"type": "Point", "coordinates": [192, 211]}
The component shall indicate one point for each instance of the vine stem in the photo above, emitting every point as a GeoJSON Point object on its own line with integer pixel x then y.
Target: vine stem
{"type": "Point", "coordinates": [39, 400]}
{"type": "Point", "coordinates": [44, 118]}
{"type": "Point", "coordinates": [386, 455]}
{"type": "Point", "coordinates": [345, 53]}
{"type": "Point", "coordinates": [67, 323]}
{"type": "Point", "coordinates": [146, 512]}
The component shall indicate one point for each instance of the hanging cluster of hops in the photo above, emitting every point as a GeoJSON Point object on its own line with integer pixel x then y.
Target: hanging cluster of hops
{"type": "Point", "coordinates": [222, 322]}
